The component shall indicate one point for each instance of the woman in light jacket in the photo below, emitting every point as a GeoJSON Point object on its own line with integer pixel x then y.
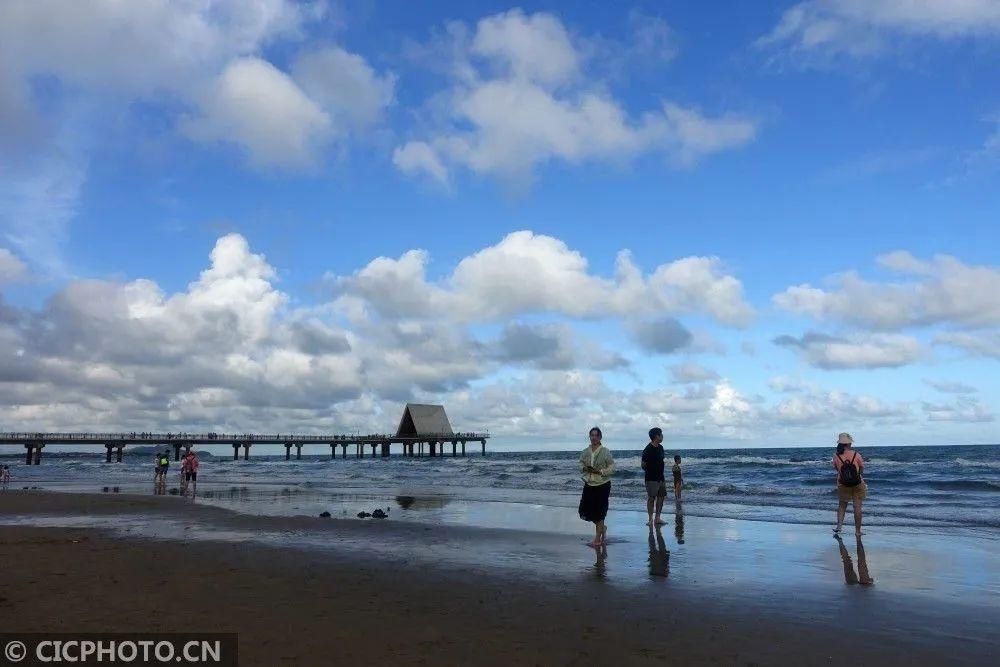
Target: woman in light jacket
{"type": "Point", "coordinates": [596, 466]}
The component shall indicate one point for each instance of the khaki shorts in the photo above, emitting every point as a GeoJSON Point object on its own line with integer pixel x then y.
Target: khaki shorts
{"type": "Point", "coordinates": [850, 493]}
{"type": "Point", "coordinates": [656, 489]}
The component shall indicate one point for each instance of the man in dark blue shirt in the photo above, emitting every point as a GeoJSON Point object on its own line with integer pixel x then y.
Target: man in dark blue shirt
{"type": "Point", "coordinates": [656, 486]}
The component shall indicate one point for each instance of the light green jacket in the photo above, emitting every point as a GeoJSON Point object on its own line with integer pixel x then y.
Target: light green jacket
{"type": "Point", "coordinates": [600, 459]}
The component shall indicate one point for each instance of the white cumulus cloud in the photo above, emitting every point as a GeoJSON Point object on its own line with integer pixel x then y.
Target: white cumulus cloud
{"type": "Point", "coordinates": [855, 351]}
{"type": "Point", "coordinates": [943, 290]}
{"type": "Point", "coordinates": [963, 409]}
{"type": "Point", "coordinates": [532, 273]}
{"type": "Point", "coordinates": [258, 107]}
{"type": "Point", "coordinates": [12, 269]}
{"type": "Point", "coordinates": [863, 28]}
{"type": "Point", "coordinates": [521, 96]}
{"type": "Point", "coordinates": [984, 344]}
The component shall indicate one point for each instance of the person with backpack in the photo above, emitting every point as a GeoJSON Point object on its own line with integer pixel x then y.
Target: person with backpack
{"type": "Point", "coordinates": [851, 487]}
{"type": "Point", "coordinates": [162, 467]}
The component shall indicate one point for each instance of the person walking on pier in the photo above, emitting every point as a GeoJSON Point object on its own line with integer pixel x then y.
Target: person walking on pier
{"type": "Point", "coordinates": [189, 472]}
{"type": "Point", "coordinates": [596, 466]}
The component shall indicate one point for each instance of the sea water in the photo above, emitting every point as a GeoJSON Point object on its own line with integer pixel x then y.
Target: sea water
{"type": "Point", "coordinates": [908, 486]}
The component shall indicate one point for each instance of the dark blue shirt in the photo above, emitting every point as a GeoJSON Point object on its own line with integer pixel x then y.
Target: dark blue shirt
{"type": "Point", "coordinates": [653, 456]}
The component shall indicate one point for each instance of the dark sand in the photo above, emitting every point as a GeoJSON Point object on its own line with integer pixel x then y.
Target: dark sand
{"type": "Point", "coordinates": [314, 591]}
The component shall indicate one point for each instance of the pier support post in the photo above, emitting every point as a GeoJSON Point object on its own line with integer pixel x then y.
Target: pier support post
{"type": "Point", "coordinates": [333, 451]}
{"type": "Point", "coordinates": [288, 451]}
{"type": "Point", "coordinates": [434, 445]}
{"type": "Point", "coordinates": [454, 447]}
{"type": "Point", "coordinates": [177, 451]}
{"type": "Point", "coordinates": [343, 451]}
{"type": "Point", "coordinates": [463, 448]}
{"type": "Point", "coordinates": [484, 447]}
{"type": "Point", "coordinates": [359, 452]}
{"type": "Point", "coordinates": [38, 453]}
{"type": "Point", "coordinates": [385, 450]}
{"type": "Point", "coordinates": [374, 445]}
{"type": "Point", "coordinates": [246, 451]}
{"type": "Point", "coordinates": [119, 452]}
{"type": "Point", "coordinates": [29, 455]}
{"type": "Point", "coordinates": [298, 451]}
{"type": "Point", "coordinates": [236, 451]}
{"type": "Point", "coordinates": [107, 453]}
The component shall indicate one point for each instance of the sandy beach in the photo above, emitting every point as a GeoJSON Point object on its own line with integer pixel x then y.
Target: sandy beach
{"type": "Point", "coordinates": [302, 590]}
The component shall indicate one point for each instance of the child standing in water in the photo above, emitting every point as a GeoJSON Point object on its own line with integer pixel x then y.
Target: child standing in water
{"type": "Point", "coordinates": [678, 476]}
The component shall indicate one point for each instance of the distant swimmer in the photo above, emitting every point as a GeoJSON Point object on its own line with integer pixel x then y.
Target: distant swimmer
{"type": "Point", "coordinates": [596, 466]}
{"type": "Point", "coordinates": [5, 476]}
{"type": "Point", "coordinates": [656, 485]}
{"type": "Point", "coordinates": [851, 486]}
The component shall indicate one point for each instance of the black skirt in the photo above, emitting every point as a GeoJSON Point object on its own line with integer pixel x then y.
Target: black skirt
{"type": "Point", "coordinates": [594, 502]}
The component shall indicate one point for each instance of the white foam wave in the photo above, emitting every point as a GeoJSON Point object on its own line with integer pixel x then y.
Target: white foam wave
{"type": "Point", "coordinates": [967, 463]}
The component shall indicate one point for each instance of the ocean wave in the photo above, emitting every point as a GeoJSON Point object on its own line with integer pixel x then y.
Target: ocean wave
{"type": "Point", "coordinates": [759, 490]}
{"type": "Point", "coordinates": [966, 485]}
{"type": "Point", "coordinates": [966, 463]}
{"type": "Point", "coordinates": [747, 460]}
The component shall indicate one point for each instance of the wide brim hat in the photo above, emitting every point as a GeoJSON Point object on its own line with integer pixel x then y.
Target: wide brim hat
{"type": "Point", "coordinates": [845, 439]}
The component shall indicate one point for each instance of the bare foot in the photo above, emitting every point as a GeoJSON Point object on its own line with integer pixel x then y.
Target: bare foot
{"type": "Point", "coordinates": [594, 544]}
{"type": "Point", "coordinates": [661, 522]}
{"type": "Point", "coordinates": [650, 523]}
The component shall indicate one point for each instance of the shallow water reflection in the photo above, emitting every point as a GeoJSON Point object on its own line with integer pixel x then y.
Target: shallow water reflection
{"type": "Point", "coordinates": [659, 557]}
{"type": "Point", "coordinates": [862, 576]}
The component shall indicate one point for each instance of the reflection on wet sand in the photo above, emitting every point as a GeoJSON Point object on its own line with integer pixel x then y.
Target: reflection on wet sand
{"type": "Point", "coordinates": [600, 565]}
{"type": "Point", "coordinates": [422, 502]}
{"type": "Point", "coordinates": [862, 576]}
{"type": "Point", "coordinates": [659, 557]}
{"type": "Point", "coordinates": [679, 522]}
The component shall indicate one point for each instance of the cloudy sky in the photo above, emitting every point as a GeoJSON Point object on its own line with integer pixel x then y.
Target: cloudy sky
{"type": "Point", "coordinates": [754, 224]}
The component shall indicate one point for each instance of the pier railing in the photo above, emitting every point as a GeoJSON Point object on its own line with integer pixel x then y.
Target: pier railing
{"type": "Point", "coordinates": [229, 438]}
{"type": "Point", "coordinates": [433, 444]}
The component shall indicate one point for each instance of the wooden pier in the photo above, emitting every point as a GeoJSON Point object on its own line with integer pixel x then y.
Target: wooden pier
{"type": "Point", "coordinates": [423, 430]}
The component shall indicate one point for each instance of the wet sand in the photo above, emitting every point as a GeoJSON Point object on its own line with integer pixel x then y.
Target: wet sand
{"type": "Point", "coordinates": [303, 590]}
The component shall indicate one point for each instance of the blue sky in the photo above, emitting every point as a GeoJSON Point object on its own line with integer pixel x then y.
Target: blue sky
{"type": "Point", "coordinates": [296, 216]}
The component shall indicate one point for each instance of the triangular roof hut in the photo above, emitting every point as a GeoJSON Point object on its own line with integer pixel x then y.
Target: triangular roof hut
{"type": "Point", "coordinates": [420, 420]}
